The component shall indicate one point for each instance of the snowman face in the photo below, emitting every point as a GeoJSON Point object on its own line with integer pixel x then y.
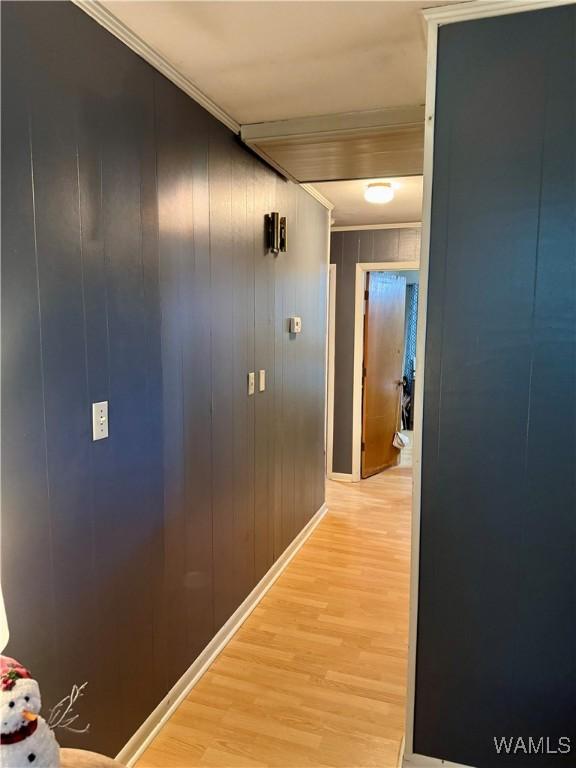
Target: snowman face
{"type": "Point", "coordinates": [24, 697]}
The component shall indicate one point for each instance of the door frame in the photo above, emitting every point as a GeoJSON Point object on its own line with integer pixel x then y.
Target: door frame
{"type": "Point", "coordinates": [362, 268]}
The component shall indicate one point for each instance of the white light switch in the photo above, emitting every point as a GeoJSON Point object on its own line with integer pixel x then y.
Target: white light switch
{"type": "Point", "coordinates": [295, 324]}
{"type": "Point", "coordinates": [99, 420]}
{"type": "Point", "coordinates": [261, 380]}
{"type": "Point", "coordinates": [251, 382]}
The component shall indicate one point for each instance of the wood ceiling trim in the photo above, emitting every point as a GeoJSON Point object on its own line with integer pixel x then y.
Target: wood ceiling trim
{"type": "Point", "coordinates": [387, 154]}
{"type": "Point", "coordinates": [380, 143]}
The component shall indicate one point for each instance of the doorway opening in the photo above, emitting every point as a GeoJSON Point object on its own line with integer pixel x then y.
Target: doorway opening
{"type": "Point", "coordinates": [378, 392]}
{"type": "Point", "coordinates": [388, 369]}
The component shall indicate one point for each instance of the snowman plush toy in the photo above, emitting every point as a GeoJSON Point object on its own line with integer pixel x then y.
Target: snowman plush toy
{"type": "Point", "coordinates": [26, 739]}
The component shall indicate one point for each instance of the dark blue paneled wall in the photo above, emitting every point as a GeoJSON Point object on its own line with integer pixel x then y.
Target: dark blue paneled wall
{"type": "Point", "coordinates": [134, 271]}
{"type": "Point", "coordinates": [497, 603]}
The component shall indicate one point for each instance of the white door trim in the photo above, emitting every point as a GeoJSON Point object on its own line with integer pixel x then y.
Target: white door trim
{"type": "Point", "coordinates": [360, 286]}
{"type": "Point", "coordinates": [419, 393]}
{"type": "Point", "coordinates": [436, 17]}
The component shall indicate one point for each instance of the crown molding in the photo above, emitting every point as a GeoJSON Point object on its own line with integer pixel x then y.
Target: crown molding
{"type": "Point", "coordinates": [317, 196]}
{"type": "Point", "coordinates": [106, 19]}
{"type": "Point", "coordinates": [366, 227]}
{"type": "Point", "coordinates": [482, 9]}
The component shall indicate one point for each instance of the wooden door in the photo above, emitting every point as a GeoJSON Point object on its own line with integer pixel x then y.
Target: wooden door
{"type": "Point", "coordinates": [382, 373]}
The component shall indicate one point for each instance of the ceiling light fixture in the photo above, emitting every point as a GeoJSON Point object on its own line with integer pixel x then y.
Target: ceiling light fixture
{"type": "Point", "coordinates": [379, 193]}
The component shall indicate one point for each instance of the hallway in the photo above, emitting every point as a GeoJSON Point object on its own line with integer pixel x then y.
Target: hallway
{"type": "Point", "coordinates": [316, 675]}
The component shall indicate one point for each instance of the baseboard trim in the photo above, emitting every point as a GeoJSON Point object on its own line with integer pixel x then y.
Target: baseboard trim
{"type": "Point", "coordinates": [422, 761]}
{"type": "Point", "coordinates": [149, 729]}
{"type": "Point", "coordinates": [400, 762]}
{"type": "Point", "coordinates": [341, 477]}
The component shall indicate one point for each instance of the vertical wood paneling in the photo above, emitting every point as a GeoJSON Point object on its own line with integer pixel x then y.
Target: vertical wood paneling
{"type": "Point", "coordinates": [221, 290]}
{"type": "Point", "coordinates": [290, 383]}
{"type": "Point", "coordinates": [497, 527]}
{"type": "Point", "coordinates": [54, 168]}
{"type": "Point", "coordinates": [319, 378]}
{"type": "Point", "coordinates": [311, 443]}
{"type": "Point", "coordinates": [185, 281]}
{"type": "Point", "coordinates": [26, 522]}
{"type": "Point", "coordinates": [297, 349]}
{"type": "Point", "coordinates": [134, 270]}
{"type": "Point", "coordinates": [304, 479]}
{"type": "Point", "coordinates": [547, 559]}
{"type": "Point", "coordinates": [136, 456]}
{"type": "Point", "coordinates": [122, 561]}
{"type": "Point", "coordinates": [344, 353]}
{"type": "Point", "coordinates": [280, 329]}
{"type": "Point", "coordinates": [175, 244]}
{"type": "Point", "coordinates": [239, 572]}
{"type": "Point", "coordinates": [198, 386]}
{"type": "Point", "coordinates": [152, 562]}
{"type": "Point", "coordinates": [264, 443]}
{"type": "Point", "coordinates": [92, 132]}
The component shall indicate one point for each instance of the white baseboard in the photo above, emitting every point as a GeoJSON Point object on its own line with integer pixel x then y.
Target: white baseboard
{"type": "Point", "coordinates": [421, 761]}
{"type": "Point", "coordinates": [340, 477]}
{"type": "Point", "coordinates": [149, 729]}
{"type": "Point", "coordinates": [400, 763]}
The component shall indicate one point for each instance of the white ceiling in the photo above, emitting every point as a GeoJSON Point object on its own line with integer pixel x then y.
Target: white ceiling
{"type": "Point", "coordinates": [350, 208]}
{"type": "Point", "coordinates": [271, 60]}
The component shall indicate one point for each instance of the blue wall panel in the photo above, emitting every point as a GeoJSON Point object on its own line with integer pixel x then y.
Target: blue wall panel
{"type": "Point", "coordinates": [497, 602]}
{"type": "Point", "coordinates": [134, 270]}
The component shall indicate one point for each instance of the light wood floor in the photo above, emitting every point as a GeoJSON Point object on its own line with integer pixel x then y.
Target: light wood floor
{"type": "Point", "coordinates": [316, 675]}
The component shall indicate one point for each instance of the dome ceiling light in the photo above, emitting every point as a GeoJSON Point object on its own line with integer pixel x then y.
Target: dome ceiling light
{"type": "Point", "coordinates": [379, 192]}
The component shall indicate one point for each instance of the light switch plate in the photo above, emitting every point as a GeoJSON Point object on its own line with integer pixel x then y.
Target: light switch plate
{"type": "Point", "coordinates": [251, 382]}
{"type": "Point", "coordinates": [295, 324]}
{"type": "Point", "coordinates": [100, 420]}
{"type": "Point", "coordinates": [261, 380]}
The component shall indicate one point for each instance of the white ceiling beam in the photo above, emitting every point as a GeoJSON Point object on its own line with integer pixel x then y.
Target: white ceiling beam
{"type": "Point", "coordinates": [367, 227]}
{"type": "Point", "coordinates": [320, 126]}
{"type": "Point", "coordinates": [483, 9]}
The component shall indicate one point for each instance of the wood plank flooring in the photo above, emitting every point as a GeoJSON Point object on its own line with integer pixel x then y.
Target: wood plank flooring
{"type": "Point", "coordinates": [316, 676]}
